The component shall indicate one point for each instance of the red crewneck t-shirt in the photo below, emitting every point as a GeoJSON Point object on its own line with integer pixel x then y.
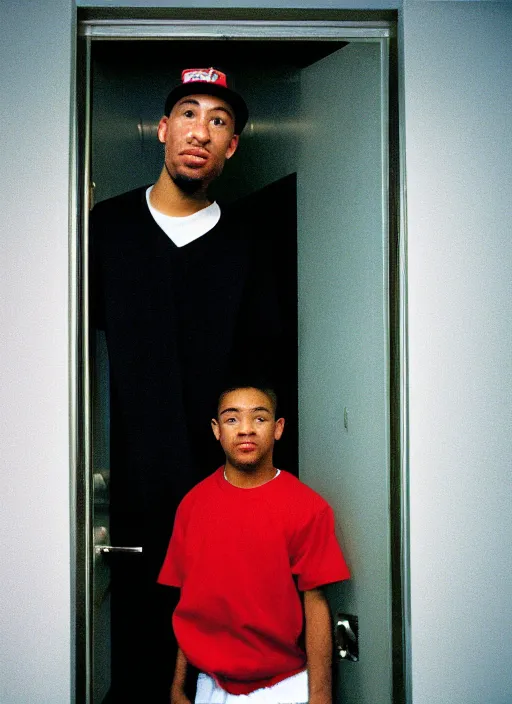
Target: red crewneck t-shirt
{"type": "Point", "coordinates": [239, 557]}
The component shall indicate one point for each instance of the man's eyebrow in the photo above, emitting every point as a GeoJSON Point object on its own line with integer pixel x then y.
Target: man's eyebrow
{"type": "Point", "coordinates": [193, 101]}
{"type": "Point", "coordinates": [184, 101]}
{"type": "Point", "coordinates": [223, 109]}
{"type": "Point", "coordinates": [256, 409]}
{"type": "Point", "coordinates": [229, 410]}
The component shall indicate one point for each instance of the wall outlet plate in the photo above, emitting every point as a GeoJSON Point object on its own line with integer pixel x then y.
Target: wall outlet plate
{"type": "Point", "coordinates": [346, 637]}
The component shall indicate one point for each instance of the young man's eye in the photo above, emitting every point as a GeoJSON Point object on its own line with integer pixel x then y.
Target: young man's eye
{"type": "Point", "coordinates": [230, 420]}
{"type": "Point", "coordinates": [218, 121]}
{"type": "Point", "coordinates": [188, 113]}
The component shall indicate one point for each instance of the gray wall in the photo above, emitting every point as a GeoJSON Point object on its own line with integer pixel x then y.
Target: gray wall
{"type": "Point", "coordinates": [35, 56]}
{"type": "Point", "coordinates": [457, 86]}
{"type": "Point", "coordinates": [123, 99]}
{"type": "Point", "coordinates": [458, 83]}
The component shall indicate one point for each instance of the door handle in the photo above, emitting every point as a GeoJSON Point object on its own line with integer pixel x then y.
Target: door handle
{"type": "Point", "coordinates": [106, 549]}
{"type": "Point", "coordinates": [100, 535]}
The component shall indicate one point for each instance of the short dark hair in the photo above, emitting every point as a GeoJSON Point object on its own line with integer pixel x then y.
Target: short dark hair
{"type": "Point", "coordinates": [261, 385]}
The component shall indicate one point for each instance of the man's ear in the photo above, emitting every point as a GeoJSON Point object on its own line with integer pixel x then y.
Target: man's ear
{"type": "Point", "coordinates": [162, 129]}
{"type": "Point", "coordinates": [215, 428]}
{"type": "Point", "coordinates": [232, 147]}
{"type": "Point", "coordinates": [278, 430]}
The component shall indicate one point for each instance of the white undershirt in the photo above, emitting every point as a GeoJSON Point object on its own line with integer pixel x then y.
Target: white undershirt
{"type": "Point", "coordinates": [186, 229]}
{"type": "Point", "coordinates": [278, 472]}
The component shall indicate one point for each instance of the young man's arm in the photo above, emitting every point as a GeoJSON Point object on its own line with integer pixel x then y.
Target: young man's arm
{"type": "Point", "coordinates": [178, 695]}
{"type": "Point", "coordinates": [318, 646]}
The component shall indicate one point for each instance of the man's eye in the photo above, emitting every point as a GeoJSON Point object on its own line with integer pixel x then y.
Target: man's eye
{"type": "Point", "coordinates": [218, 121]}
{"type": "Point", "coordinates": [188, 113]}
{"type": "Point", "coordinates": [260, 419]}
{"type": "Point", "coordinates": [230, 420]}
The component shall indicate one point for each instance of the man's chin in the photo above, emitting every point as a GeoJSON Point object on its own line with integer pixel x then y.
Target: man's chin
{"type": "Point", "coordinates": [244, 465]}
{"type": "Point", "coordinates": [188, 184]}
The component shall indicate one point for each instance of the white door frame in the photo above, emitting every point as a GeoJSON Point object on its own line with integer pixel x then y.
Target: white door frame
{"type": "Point", "coordinates": [80, 412]}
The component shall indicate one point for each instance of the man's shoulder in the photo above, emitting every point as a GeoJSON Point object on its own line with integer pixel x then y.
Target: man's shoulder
{"type": "Point", "coordinates": [120, 205]}
{"type": "Point", "coordinates": [199, 491]}
{"type": "Point", "coordinates": [301, 492]}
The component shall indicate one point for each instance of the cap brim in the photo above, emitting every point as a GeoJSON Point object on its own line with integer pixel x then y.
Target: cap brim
{"type": "Point", "coordinates": [202, 88]}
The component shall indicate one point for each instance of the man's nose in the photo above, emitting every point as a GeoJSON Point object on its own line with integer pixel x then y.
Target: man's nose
{"type": "Point", "coordinates": [246, 427]}
{"type": "Point", "coordinates": [200, 131]}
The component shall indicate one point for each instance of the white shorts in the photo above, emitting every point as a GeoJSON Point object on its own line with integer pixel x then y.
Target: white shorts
{"type": "Point", "coordinates": [292, 690]}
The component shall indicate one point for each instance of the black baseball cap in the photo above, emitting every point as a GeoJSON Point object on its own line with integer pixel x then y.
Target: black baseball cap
{"type": "Point", "coordinates": [209, 81]}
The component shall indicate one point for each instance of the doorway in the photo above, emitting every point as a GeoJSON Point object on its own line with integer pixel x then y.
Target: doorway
{"type": "Point", "coordinates": [320, 108]}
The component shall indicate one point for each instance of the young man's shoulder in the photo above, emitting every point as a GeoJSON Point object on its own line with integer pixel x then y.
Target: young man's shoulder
{"type": "Point", "coordinates": [288, 488]}
{"type": "Point", "coordinates": [201, 490]}
{"type": "Point", "coordinates": [296, 485]}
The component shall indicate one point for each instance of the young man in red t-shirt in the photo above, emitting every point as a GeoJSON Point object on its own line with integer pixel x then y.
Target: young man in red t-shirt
{"type": "Point", "coordinates": [247, 542]}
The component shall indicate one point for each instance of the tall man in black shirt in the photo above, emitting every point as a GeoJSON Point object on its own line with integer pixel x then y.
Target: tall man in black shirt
{"type": "Point", "coordinates": [177, 288]}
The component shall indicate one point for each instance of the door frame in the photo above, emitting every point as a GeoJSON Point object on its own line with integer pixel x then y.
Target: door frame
{"type": "Point", "coordinates": [119, 29]}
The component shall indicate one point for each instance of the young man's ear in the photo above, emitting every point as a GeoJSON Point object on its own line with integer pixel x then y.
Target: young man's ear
{"type": "Point", "coordinates": [215, 428]}
{"type": "Point", "coordinates": [279, 428]}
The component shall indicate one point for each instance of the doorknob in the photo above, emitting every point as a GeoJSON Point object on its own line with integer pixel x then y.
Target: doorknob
{"type": "Point", "coordinates": [105, 549]}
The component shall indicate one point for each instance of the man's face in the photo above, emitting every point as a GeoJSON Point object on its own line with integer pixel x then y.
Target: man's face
{"type": "Point", "coordinates": [198, 137]}
{"type": "Point", "coordinates": [246, 427]}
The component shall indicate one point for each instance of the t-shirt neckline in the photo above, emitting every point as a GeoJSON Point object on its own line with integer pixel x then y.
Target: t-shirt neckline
{"type": "Point", "coordinates": [184, 231]}
{"type": "Point", "coordinates": [253, 491]}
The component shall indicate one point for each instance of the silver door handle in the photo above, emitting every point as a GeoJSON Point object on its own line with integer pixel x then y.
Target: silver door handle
{"type": "Point", "coordinates": [105, 549]}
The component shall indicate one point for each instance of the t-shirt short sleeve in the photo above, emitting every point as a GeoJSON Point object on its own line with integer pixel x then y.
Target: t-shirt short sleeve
{"type": "Point", "coordinates": [171, 573]}
{"type": "Point", "coordinates": [316, 557]}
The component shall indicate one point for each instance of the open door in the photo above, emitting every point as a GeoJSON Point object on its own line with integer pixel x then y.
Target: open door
{"type": "Point", "coordinates": [344, 342]}
{"type": "Point", "coordinates": [319, 109]}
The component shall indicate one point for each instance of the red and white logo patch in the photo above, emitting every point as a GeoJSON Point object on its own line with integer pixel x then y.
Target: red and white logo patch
{"type": "Point", "coordinates": [203, 75]}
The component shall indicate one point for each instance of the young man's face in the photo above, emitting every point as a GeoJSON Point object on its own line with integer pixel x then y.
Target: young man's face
{"type": "Point", "coordinates": [246, 427]}
{"type": "Point", "coordinates": [198, 137]}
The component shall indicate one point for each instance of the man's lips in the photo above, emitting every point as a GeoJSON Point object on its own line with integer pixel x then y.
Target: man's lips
{"type": "Point", "coordinates": [247, 445]}
{"type": "Point", "coordinates": [195, 155]}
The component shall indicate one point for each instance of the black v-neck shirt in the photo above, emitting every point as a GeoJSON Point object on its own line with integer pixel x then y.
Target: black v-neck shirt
{"type": "Point", "coordinates": [178, 321]}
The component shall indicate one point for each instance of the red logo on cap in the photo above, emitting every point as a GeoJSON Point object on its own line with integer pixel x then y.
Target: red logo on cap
{"type": "Point", "coordinates": [204, 75]}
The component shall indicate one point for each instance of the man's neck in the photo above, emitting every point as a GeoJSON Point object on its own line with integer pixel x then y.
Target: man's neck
{"type": "Point", "coordinates": [169, 199]}
{"type": "Point", "coordinates": [249, 478]}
